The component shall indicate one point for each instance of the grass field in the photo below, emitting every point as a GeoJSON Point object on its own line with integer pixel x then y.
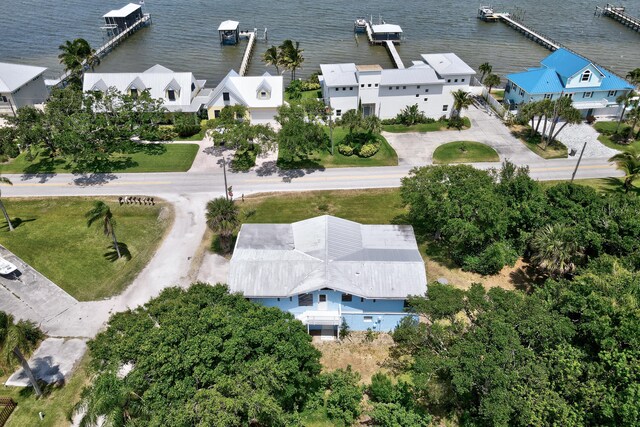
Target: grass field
{"type": "Point", "coordinates": [607, 131]}
{"type": "Point", "coordinates": [149, 158]}
{"type": "Point", "coordinates": [56, 404]}
{"type": "Point", "coordinates": [555, 150]}
{"type": "Point", "coordinates": [386, 156]}
{"type": "Point", "coordinates": [307, 94]}
{"type": "Point", "coordinates": [424, 127]}
{"type": "Point", "coordinates": [464, 152]}
{"type": "Point", "coordinates": [51, 235]}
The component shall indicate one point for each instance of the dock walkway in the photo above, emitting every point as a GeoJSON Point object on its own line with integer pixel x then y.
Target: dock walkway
{"type": "Point", "coordinates": [246, 59]}
{"type": "Point", "coordinates": [618, 13]}
{"type": "Point", "coordinates": [528, 32]}
{"type": "Point", "coordinates": [394, 54]}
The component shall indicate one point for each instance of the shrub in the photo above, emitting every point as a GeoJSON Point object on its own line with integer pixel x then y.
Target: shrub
{"type": "Point", "coordinates": [244, 160]}
{"type": "Point", "coordinates": [491, 260]}
{"type": "Point", "coordinates": [345, 330]}
{"type": "Point", "coordinates": [310, 86]}
{"type": "Point", "coordinates": [381, 389]}
{"type": "Point", "coordinates": [394, 415]}
{"type": "Point", "coordinates": [186, 125]}
{"type": "Point", "coordinates": [345, 150]}
{"type": "Point", "coordinates": [343, 400]}
{"type": "Point", "coordinates": [368, 150]}
{"type": "Point", "coordinates": [456, 123]}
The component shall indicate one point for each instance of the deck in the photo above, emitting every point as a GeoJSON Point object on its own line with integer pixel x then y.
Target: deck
{"type": "Point", "coordinates": [248, 51]}
{"type": "Point", "coordinates": [397, 61]}
{"type": "Point", "coordinates": [529, 32]}
{"type": "Point", "coordinates": [617, 13]}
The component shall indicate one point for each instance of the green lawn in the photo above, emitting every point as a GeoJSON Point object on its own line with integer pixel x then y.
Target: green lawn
{"type": "Point", "coordinates": [307, 94]}
{"type": "Point", "coordinates": [464, 152]}
{"type": "Point", "coordinates": [51, 235]}
{"type": "Point", "coordinates": [386, 156]}
{"type": "Point", "coordinates": [498, 94]}
{"type": "Point", "coordinates": [425, 127]}
{"type": "Point", "coordinates": [555, 150]}
{"type": "Point", "coordinates": [607, 136]}
{"type": "Point", "coordinates": [56, 404]}
{"type": "Point", "coordinates": [601, 185]}
{"type": "Point", "coordinates": [148, 158]}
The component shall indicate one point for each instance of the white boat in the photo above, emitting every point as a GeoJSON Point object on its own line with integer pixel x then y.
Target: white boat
{"type": "Point", "coordinates": [360, 25]}
{"type": "Point", "coordinates": [6, 267]}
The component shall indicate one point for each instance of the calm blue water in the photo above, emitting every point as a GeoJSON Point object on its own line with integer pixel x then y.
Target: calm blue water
{"type": "Point", "coordinates": [183, 35]}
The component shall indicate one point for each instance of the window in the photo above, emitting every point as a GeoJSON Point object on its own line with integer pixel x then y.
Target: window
{"type": "Point", "coordinates": [390, 87]}
{"type": "Point", "coordinates": [397, 87]}
{"type": "Point", "coordinates": [405, 304]}
{"type": "Point", "coordinates": [347, 297]}
{"type": "Point", "coordinates": [568, 95]}
{"type": "Point", "coordinates": [305, 300]}
{"type": "Point", "coordinates": [322, 298]}
{"type": "Point", "coordinates": [193, 87]}
{"type": "Point", "coordinates": [417, 95]}
{"type": "Point", "coordinates": [521, 92]}
{"type": "Point", "coordinates": [338, 113]}
{"type": "Point", "coordinates": [171, 94]}
{"type": "Point", "coordinates": [369, 85]}
{"type": "Point", "coordinates": [587, 94]}
{"type": "Point", "coordinates": [426, 91]}
{"type": "Point", "coordinates": [374, 300]}
{"type": "Point", "coordinates": [4, 98]}
{"type": "Point", "coordinates": [362, 85]}
{"type": "Point", "coordinates": [445, 107]}
{"type": "Point", "coordinates": [612, 93]}
{"type": "Point", "coordinates": [361, 299]}
{"type": "Point", "coordinates": [448, 80]}
{"type": "Point", "coordinates": [278, 299]}
{"type": "Point", "coordinates": [376, 85]}
{"type": "Point", "coordinates": [216, 113]}
{"type": "Point", "coordinates": [404, 87]}
{"type": "Point", "coordinates": [133, 92]}
{"type": "Point", "coordinates": [344, 88]}
{"type": "Point", "coordinates": [426, 99]}
{"type": "Point", "coordinates": [350, 87]}
{"type": "Point", "coordinates": [368, 319]}
{"type": "Point", "coordinates": [226, 97]}
{"type": "Point", "coordinates": [456, 81]}
{"type": "Point", "coordinates": [462, 80]}
{"type": "Point", "coordinates": [418, 87]}
{"type": "Point", "coordinates": [548, 96]}
{"type": "Point", "coordinates": [263, 94]}
{"type": "Point", "coordinates": [586, 76]}
{"type": "Point", "coordinates": [290, 298]}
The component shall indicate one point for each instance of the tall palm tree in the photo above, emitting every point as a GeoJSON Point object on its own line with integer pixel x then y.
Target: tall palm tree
{"type": "Point", "coordinates": [629, 163]}
{"type": "Point", "coordinates": [634, 76]}
{"type": "Point", "coordinates": [554, 249]}
{"type": "Point", "coordinates": [222, 218]}
{"type": "Point", "coordinates": [492, 81]}
{"type": "Point", "coordinates": [291, 56]}
{"type": "Point", "coordinates": [18, 339]}
{"type": "Point", "coordinates": [7, 181]}
{"type": "Point", "coordinates": [633, 117]}
{"type": "Point", "coordinates": [76, 56]}
{"type": "Point", "coordinates": [102, 212]}
{"type": "Point", "coordinates": [271, 57]}
{"type": "Point", "coordinates": [624, 99]}
{"type": "Point", "coordinates": [461, 100]}
{"type": "Point", "coordinates": [486, 68]}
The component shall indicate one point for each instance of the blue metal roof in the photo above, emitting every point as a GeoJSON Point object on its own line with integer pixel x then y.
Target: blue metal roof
{"type": "Point", "coordinates": [557, 68]}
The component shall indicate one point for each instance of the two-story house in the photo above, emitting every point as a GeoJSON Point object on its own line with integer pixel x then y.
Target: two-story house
{"type": "Point", "coordinates": [262, 95]}
{"type": "Point", "coordinates": [179, 91]}
{"type": "Point", "coordinates": [325, 270]}
{"type": "Point", "coordinates": [593, 89]}
{"type": "Point", "coordinates": [384, 93]}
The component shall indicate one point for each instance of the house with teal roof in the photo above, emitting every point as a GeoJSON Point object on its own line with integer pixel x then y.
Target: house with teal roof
{"type": "Point", "coordinates": [593, 89]}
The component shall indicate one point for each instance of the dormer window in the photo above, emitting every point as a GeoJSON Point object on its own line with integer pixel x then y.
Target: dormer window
{"type": "Point", "coordinates": [226, 97]}
{"type": "Point", "coordinates": [586, 76]}
{"type": "Point", "coordinates": [171, 95]}
{"type": "Point", "coordinates": [263, 94]}
{"type": "Point", "coordinates": [133, 92]}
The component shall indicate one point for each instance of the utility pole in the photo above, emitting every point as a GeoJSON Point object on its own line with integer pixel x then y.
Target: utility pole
{"type": "Point", "coordinates": [329, 112]}
{"type": "Point", "coordinates": [224, 171]}
{"type": "Point", "coordinates": [578, 164]}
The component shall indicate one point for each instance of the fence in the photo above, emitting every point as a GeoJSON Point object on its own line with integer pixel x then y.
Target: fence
{"type": "Point", "coordinates": [7, 405]}
{"type": "Point", "coordinates": [497, 107]}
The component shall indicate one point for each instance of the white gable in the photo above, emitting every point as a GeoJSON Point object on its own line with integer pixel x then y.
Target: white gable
{"type": "Point", "coordinates": [245, 90]}
{"type": "Point", "coordinates": [589, 76]}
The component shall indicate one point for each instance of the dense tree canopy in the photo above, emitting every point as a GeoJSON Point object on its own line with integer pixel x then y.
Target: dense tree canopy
{"type": "Point", "coordinates": [301, 132]}
{"type": "Point", "coordinates": [201, 357]}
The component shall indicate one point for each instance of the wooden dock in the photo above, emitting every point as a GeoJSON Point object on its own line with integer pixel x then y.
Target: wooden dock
{"type": "Point", "coordinates": [391, 48]}
{"type": "Point", "coordinates": [112, 43]}
{"type": "Point", "coordinates": [618, 13]}
{"type": "Point", "coordinates": [529, 32]}
{"type": "Point", "coordinates": [248, 52]}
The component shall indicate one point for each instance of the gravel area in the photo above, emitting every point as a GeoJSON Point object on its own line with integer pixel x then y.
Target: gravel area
{"type": "Point", "coordinates": [574, 136]}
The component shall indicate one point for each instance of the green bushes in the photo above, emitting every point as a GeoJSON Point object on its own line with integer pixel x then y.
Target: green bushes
{"type": "Point", "coordinates": [491, 260]}
{"type": "Point", "coordinates": [368, 150]}
{"type": "Point", "coordinates": [343, 395]}
{"type": "Point", "coordinates": [362, 144]}
{"type": "Point", "coordinates": [244, 159]}
{"type": "Point", "coordinates": [186, 125]}
{"type": "Point", "coordinates": [345, 150]}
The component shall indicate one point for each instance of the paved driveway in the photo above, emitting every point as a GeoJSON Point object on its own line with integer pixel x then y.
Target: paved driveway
{"type": "Point", "coordinates": [416, 149]}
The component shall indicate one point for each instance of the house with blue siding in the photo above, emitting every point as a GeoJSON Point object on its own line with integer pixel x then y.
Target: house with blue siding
{"type": "Point", "coordinates": [593, 89]}
{"type": "Point", "coordinates": [326, 270]}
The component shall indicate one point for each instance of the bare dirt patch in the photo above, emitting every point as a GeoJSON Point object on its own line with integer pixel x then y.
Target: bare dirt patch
{"type": "Point", "coordinates": [366, 358]}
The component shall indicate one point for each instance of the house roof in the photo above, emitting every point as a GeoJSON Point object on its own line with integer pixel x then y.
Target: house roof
{"type": "Point", "coordinates": [156, 79]}
{"type": "Point", "coordinates": [123, 12]}
{"type": "Point", "coordinates": [409, 76]}
{"type": "Point", "coordinates": [228, 26]}
{"type": "Point", "coordinates": [447, 64]}
{"type": "Point", "coordinates": [245, 89]}
{"type": "Point", "coordinates": [339, 74]}
{"type": "Point", "coordinates": [370, 261]}
{"type": "Point", "coordinates": [14, 76]}
{"type": "Point", "coordinates": [557, 69]}
{"type": "Point", "coordinates": [386, 28]}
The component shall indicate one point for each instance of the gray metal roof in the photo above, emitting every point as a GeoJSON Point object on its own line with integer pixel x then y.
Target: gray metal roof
{"type": "Point", "coordinates": [14, 76]}
{"type": "Point", "coordinates": [339, 74]}
{"type": "Point", "coordinates": [370, 261]}
{"type": "Point", "coordinates": [409, 76]}
{"type": "Point", "coordinates": [447, 64]}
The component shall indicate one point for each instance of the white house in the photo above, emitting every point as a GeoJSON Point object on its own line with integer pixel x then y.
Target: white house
{"type": "Point", "coordinates": [179, 91]}
{"type": "Point", "coordinates": [326, 270]}
{"type": "Point", "coordinates": [21, 85]}
{"type": "Point", "coordinates": [384, 93]}
{"type": "Point", "coordinates": [262, 95]}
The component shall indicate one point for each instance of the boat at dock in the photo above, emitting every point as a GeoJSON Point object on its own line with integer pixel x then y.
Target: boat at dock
{"type": "Point", "coordinates": [486, 13]}
{"type": "Point", "coordinates": [360, 25]}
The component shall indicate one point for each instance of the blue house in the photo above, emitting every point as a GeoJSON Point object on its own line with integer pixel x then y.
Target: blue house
{"type": "Point", "coordinates": [592, 88]}
{"type": "Point", "coordinates": [325, 270]}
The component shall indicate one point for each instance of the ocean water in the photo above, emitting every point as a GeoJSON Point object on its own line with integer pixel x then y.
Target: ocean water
{"type": "Point", "coordinates": [183, 34]}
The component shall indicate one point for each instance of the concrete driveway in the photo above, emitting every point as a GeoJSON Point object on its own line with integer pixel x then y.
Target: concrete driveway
{"type": "Point", "coordinates": [416, 149]}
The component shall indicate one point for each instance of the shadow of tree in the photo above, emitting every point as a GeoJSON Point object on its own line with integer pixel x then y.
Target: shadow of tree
{"type": "Point", "coordinates": [16, 222]}
{"type": "Point", "coordinates": [94, 179]}
{"type": "Point", "coordinates": [526, 277]}
{"type": "Point", "coordinates": [46, 166]}
{"type": "Point", "coordinates": [112, 254]}
{"type": "Point", "coordinates": [103, 165]}
{"type": "Point", "coordinates": [151, 149]}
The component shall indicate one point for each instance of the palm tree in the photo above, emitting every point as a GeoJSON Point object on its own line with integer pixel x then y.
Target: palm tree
{"type": "Point", "coordinates": [372, 124]}
{"type": "Point", "coordinates": [352, 119]}
{"type": "Point", "coordinates": [492, 81]}
{"type": "Point", "coordinates": [290, 56]}
{"type": "Point", "coordinates": [554, 249]}
{"type": "Point", "coordinates": [102, 212]}
{"type": "Point", "coordinates": [634, 76]}
{"type": "Point", "coordinates": [7, 181]}
{"type": "Point", "coordinates": [486, 68]}
{"type": "Point", "coordinates": [17, 339]}
{"type": "Point", "coordinates": [624, 99]}
{"type": "Point", "coordinates": [629, 163]}
{"type": "Point", "coordinates": [76, 56]}
{"type": "Point", "coordinates": [633, 117]}
{"type": "Point", "coordinates": [271, 57]}
{"type": "Point", "coordinates": [461, 100]}
{"type": "Point", "coordinates": [222, 218]}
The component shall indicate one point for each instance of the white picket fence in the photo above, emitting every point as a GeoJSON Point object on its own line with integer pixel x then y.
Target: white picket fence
{"type": "Point", "coordinates": [497, 106]}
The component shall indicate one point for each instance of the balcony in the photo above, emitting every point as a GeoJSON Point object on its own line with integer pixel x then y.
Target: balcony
{"type": "Point", "coordinates": [320, 317]}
